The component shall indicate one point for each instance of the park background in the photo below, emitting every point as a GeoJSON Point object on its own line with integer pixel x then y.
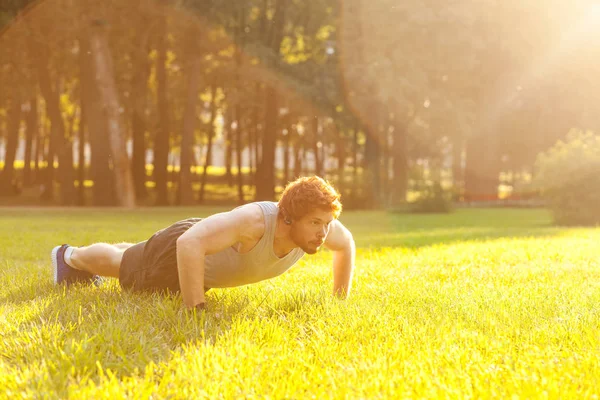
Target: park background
{"type": "Point", "coordinates": [118, 111]}
{"type": "Point", "coordinates": [198, 102]}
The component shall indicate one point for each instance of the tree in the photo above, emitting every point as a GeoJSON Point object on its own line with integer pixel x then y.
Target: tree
{"type": "Point", "coordinates": [162, 136]}
{"type": "Point", "coordinates": [265, 174]}
{"type": "Point", "coordinates": [58, 144]}
{"type": "Point", "coordinates": [108, 94]}
{"type": "Point", "coordinates": [194, 62]}
{"type": "Point", "coordinates": [30, 135]}
{"type": "Point", "coordinates": [141, 67]}
{"type": "Point", "coordinates": [104, 190]}
{"type": "Point", "coordinates": [209, 145]}
{"type": "Point", "coordinates": [14, 122]}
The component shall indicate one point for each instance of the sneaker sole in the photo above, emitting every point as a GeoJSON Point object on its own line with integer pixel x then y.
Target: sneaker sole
{"type": "Point", "coordinates": [54, 256]}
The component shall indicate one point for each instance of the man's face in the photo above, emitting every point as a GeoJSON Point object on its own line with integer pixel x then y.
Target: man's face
{"type": "Point", "coordinates": [310, 231]}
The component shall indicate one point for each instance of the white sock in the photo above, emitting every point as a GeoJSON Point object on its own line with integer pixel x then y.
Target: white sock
{"type": "Point", "coordinates": [67, 256]}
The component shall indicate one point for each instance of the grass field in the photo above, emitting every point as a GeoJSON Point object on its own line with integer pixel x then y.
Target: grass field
{"type": "Point", "coordinates": [475, 304]}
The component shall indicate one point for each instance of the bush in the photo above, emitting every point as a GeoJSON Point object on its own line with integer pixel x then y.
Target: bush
{"type": "Point", "coordinates": [568, 175]}
{"type": "Point", "coordinates": [433, 199]}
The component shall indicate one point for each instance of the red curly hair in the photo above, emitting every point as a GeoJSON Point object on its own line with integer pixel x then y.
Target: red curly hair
{"type": "Point", "coordinates": [304, 194]}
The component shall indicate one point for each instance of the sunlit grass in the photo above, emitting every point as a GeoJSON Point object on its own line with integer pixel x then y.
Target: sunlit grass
{"type": "Point", "coordinates": [479, 303]}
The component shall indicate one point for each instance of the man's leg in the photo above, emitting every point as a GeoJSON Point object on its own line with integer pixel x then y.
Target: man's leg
{"type": "Point", "coordinates": [99, 259]}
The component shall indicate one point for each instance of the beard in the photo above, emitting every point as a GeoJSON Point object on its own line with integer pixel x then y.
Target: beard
{"type": "Point", "coordinates": [305, 246]}
{"type": "Point", "coordinates": [310, 250]}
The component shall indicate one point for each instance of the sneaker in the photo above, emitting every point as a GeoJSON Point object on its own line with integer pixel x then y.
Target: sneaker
{"type": "Point", "coordinates": [63, 274]}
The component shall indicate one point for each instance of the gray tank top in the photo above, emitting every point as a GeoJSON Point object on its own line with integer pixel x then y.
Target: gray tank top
{"type": "Point", "coordinates": [229, 268]}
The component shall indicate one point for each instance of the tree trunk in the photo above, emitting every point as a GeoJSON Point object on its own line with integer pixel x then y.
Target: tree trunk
{"type": "Point", "coordinates": [171, 169]}
{"type": "Point", "coordinates": [239, 149]}
{"type": "Point", "coordinates": [228, 134]}
{"type": "Point", "coordinates": [81, 154]}
{"type": "Point", "coordinates": [322, 150]}
{"type": "Point", "coordinates": [37, 149]}
{"type": "Point", "coordinates": [211, 132]}
{"type": "Point", "coordinates": [457, 167]}
{"type": "Point", "coordinates": [298, 157]}
{"type": "Point", "coordinates": [286, 155]}
{"type": "Point", "coordinates": [108, 93]}
{"type": "Point", "coordinates": [30, 134]}
{"type": "Point", "coordinates": [58, 144]}
{"type": "Point", "coordinates": [239, 117]}
{"type": "Point", "coordinates": [161, 141]}
{"type": "Point", "coordinates": [57, 135]}
{"type": "Point", "coordinates": [265, 175]}
{"type": "Point", "coordinates": [40, 151]}
{"type": "Point", "coordinates": [138, 122]}
{"type": "Point", "coordinates": [372, 169]}
{"type": "Point", "coordinates": [340, 149]}
{"type": "Point", "coordinates": [305, 170]}
{"type": "Point", "coordinates": [355, 162]}
{"type": "Point", "coordinates": [45, 168]}
{"type": "Point", "coordinates": [386, 179]}
{"type": "Point", "coordinates": [482, 170]}
{"type": "Point", "coordinates": [252, 148]}
{"type": "Point", "coordinates": [46, 178]}
{"type": "Point", "coordinates": [316, 148]}
{"type": "Point", "coordinates": [66, 162]}
{"type": "Point", "coordinates": [400, 167]}
{"type": "Point", "coordinates": [104, 190]}
{"type": "Point", "coordinates": [186, 194]}
{"type": "Point", "coordinates": [258, 132]}
{"type": "Point", "coordinates": [7, 187]}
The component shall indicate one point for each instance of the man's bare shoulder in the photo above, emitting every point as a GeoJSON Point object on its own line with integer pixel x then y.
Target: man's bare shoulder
{"type": "Point", "coordinates": [251, 219]}
{"type": "Point", "coordinates": [339, 237]}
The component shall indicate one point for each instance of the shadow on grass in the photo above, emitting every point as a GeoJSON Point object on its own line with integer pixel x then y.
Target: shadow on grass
{"type": "Point", "coordinates": [371, 229]}
{"type": "Point", "coordinates": [79, 326]}
{"type": "Point", "coordinates": [27, 292]}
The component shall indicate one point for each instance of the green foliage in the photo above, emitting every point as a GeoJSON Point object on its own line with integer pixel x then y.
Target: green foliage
{"type": "Point", "coordinates": [9, 9]}
{"type": "Point", "coordinates": [432, 199]}
{"type": "Point", "coordinates": [342, 60]}
{"type": "Point", "coordinates": [568, 176]}
{"type": "Point", "coordinates": [474, 304]}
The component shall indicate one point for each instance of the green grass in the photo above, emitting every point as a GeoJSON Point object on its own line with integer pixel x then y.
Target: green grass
{"type": "Point", "coordinates": [475, 304]}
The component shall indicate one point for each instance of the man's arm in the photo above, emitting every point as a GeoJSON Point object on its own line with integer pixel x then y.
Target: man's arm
{"type": "Point", "coordinates": [208, 236]}
{"type": "Point", "coordinates": [340, 241]}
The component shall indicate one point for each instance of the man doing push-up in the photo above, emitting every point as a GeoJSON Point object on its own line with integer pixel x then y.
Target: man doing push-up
{"type": "Point", "coordinates": [248, 244]}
